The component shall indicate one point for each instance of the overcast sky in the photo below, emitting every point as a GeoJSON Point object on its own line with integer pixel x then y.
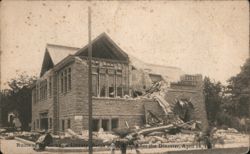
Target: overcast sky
{"type": "Point", "coordinates": [208, 37]}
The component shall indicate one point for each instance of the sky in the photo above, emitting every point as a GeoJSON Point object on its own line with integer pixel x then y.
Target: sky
{"type": "Point", "coordinates": [206, 37]}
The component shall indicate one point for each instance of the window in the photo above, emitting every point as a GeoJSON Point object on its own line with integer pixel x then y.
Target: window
{"type": "Point", "coordinates": [105, 124]}
{"type": "Point", "coordinates": [111, 81]}
{"type": "Point", "coordinates": [103, 91]}
{"type": "Point", "coordinates": [111, 91]}
{"type": "Point", "coordinates": [63, 125]}
{"type": "Point", "coordinates": [103, 85]}
{"type": "Point", "coordinates": [45, 89]}
{"type": "Point", "coordinates": [96, 125]}
{"type": "Point", "coordinates": [65, 78]}
{"type": "Point", "coordinates": [68, 123]}
{"type": "Point", "coordinates": [50, 86]}
{"type": "Point", "coordinates": [69, 78]}
{"type": "Point", "coordinates": [62, 82]}
{"type": "Point", "coordinates": [65, 81]}
{"type": "Point", "coordinates": [40, 91]}
{"type": "Point", "coordinates": [125, 83]}
{"type": "Point", "coordinates": [37, 123]}
{"type": "Point", "coordinates": [114, 123]}
{"type": "Point", "coordinates": [34, 124]}
{"type": "Point", "coordinates": [50, 123]}
{"type": "Point", "coordinates": [119, 86]}
{"type": "Point", "coordinates": [94, 84]}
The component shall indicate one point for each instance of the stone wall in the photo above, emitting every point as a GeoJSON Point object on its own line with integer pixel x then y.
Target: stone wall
{"type": "Point", "coordinates": [42, 106]}
{"type": "Point", "coordinates": [195, 96]}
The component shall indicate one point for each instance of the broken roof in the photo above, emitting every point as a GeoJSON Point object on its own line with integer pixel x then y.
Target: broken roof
{"type": "Point", "coordinates": [104, 47]}
{"type": "Point", "coordinates": [170, 73]}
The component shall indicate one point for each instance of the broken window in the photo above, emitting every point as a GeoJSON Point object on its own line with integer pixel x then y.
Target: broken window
{"type": "Point", "coordinates": [155, 78]}
{"type": "Point", "coordinates": [111, 81]}
{"type": "Point", "coordinates": [102, 85]}
{"type": "Point", "coordinates": [105, 124]}
{"type": "Point", "coordinates": [184, 109]}
{"type": "Point", "coordinates": [119, 85]}
{"type": "Point", "coordinates": [114, 123]}
{"type": "Point", "coordinates": [103, 91]}
{"type": "Point", "coordinates": [95, 125]}
{"type": "Point", "coordinates": [111, 91]}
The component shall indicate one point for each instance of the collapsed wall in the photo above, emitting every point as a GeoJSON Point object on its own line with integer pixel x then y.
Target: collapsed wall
{"type": "Point", "coordinates": [184, 99]}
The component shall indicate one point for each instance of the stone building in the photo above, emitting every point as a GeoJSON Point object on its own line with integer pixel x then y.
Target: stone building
{"type": "Point", "coordinates": [60, 96]}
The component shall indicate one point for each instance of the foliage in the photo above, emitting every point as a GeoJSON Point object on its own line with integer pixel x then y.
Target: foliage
{"type": "Point", "coordinates": [239, 88]}
{"type": "Point", "coordinates": [213, 98]}
{"type": "Point", "coordinates": [18, 98]}
{"type": "Point", "coordinates": [227, 106]}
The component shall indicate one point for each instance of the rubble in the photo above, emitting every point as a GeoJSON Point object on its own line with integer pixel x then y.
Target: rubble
{"type": "Point", "coordinates": [230, 135]}
{"type": "Point", "coordinates": [105, 136]}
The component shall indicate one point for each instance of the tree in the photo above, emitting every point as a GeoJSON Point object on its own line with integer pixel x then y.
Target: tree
{"type": "Point", "coordinates": [19, 98]}
{"type": "Point", "coordinates": [213, 98]}
{"type": "Point", "coordinates": [239, 88]}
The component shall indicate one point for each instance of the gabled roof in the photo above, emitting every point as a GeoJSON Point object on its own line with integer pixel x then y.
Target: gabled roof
{"type": "Point", "coordinates": [104, 47]}
{"type": "Point", "coordinates": [54, 54]}
{"type": "Point", "coordinates": [59, 52]}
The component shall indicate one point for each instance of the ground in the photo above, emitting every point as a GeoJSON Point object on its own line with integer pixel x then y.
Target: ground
{"type": "Point", "coordinates": [16, 147]}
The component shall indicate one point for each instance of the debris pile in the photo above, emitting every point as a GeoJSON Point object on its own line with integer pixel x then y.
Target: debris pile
{"type": "Point", "coordinates": [230, 135]}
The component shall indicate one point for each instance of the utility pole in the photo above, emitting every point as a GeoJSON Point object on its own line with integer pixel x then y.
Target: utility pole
{"type": "Point", "coordinates": [90, 82]}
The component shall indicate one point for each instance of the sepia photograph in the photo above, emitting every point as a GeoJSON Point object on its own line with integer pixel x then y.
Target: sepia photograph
{"type": "Point", "coordinates": [124, 77]}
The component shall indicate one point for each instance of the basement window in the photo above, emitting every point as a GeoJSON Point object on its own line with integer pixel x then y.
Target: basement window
{"type": "Point", "coordinates": [114, 123]}
{"type": "Point", "coordinates": [50, 123]}
{"type": "Point", "coordinates": [69, 123]}
{"type": "Point", "coordinates": [63, 128]}
{"type": "Point", "coordinates": [105, 124]}
{"type": "Point", "coordinates": [96, 125]}
{"type": "Point", "coordinates": [37, 123]}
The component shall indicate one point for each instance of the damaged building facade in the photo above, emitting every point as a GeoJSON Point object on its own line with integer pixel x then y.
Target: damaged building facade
{"type": "Point", "coordinates": [120, 84]}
